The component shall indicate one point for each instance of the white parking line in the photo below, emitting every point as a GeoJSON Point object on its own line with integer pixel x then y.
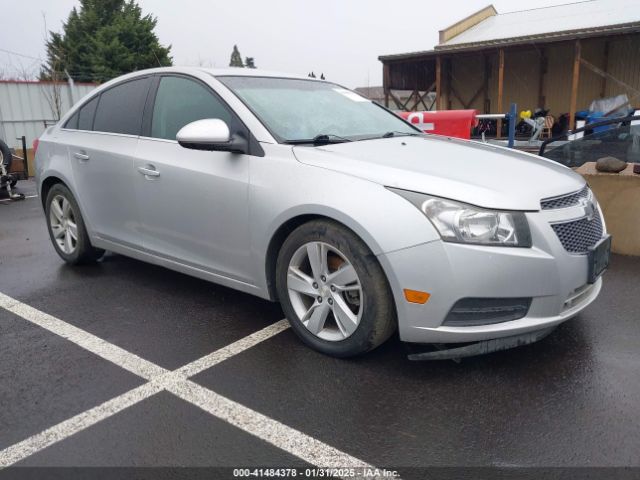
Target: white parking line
{"type": "Point", "coordinates": [65, 429]}
{"type": "Point", "coordinates": [285, 438]}
{"type": "Point", "coordinates": [176, 382]}
{"type": "Point", "coordinates": [96, 345]}
{"type": "Point", "coordinates": [229, 351]}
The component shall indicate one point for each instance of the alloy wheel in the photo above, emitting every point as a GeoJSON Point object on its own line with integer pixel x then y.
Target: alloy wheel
{"type": "Point", "coordinates": [63, 224]}
{"type": "Point", "coordinates": [325, 291]}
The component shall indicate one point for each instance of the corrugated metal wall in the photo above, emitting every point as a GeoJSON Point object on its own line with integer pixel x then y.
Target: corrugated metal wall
{"type": "Point", "coordinates": [624, 63]}
{"type": "Point", "coordinates": [25, 107]}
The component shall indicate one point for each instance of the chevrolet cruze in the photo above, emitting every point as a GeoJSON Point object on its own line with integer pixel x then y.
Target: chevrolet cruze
{"type": "Point", "coordinates": [301, 191]}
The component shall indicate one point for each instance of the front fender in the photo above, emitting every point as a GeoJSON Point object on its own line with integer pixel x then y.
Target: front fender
{"type": "Point", "coordinates": [283, 189]}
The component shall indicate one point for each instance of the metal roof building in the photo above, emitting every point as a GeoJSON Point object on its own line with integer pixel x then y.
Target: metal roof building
{"type": "Point", "coordinates": [560, 58]}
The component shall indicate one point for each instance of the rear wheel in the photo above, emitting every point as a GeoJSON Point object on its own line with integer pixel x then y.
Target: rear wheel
{"type": "Point", "coordinates": [66, 227]}
{"type": "Point", "coordinates": [333, 290]}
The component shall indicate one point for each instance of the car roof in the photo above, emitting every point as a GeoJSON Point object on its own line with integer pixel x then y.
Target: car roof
{"type": "Point", "coordinates": [220, 72]}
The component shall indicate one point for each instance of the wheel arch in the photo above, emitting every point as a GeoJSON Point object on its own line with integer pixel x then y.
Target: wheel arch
{"type": "Point", "coordinates": [287, 226]}
{"type": "Point", "coordinates": [47, 184]}
{"type": "Point", "coordinates": [54, 177]}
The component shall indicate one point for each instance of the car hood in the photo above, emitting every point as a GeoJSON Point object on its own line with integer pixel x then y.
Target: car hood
{"type": "Point", "coordinates": [472, 172]}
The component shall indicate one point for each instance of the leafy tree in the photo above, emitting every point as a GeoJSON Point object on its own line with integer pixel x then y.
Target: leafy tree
{"type": "Point", "coordinates": [249, 62]}
{"type": "Point", "coordinates": [103, 39]}
{"type": "Point", "coordinates": [236, 58]}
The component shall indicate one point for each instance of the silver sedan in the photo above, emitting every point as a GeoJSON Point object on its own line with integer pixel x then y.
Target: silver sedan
{"type": "Point", "coordinates": [301, 191]}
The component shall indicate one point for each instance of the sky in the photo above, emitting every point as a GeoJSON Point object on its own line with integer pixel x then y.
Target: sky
{"type": "Point", "coordinates": [340, 38]}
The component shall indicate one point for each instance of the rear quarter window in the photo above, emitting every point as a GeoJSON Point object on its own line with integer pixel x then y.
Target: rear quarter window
{"type": "Point", "coordinates": [86, 113]}
{"type": "Point", "coordinates": [83, 118]}
{"type": "Point", "coordinates": [72, 123]}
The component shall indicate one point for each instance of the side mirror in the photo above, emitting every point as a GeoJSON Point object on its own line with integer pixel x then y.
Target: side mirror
{"type": "Point", "coordinates": [210, 134]}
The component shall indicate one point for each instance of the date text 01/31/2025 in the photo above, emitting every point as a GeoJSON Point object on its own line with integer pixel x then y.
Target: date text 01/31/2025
{"type": "Point", "coordinates": [315, 472]}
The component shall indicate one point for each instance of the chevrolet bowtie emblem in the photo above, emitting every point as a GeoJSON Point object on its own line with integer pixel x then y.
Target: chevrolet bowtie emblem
{"type": "Point", "coordinates": [589, 208]}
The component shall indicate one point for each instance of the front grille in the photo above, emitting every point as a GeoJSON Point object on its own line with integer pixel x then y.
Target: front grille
{"type": "Point", "coordinates": [565, 201]}
{"type": "Point", "coordinates": [578, 235]}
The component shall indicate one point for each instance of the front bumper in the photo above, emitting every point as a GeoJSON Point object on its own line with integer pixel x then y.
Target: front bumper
{"type": "Point", "coordinates": [555, 280]}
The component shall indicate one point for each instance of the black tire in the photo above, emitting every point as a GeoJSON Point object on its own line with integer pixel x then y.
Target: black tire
{"type": "Point", "coordinates": [6, 155]}
{"type": "Point", "coordinates": [84, 252]}
{"type": "Point", "coordinates": [378, 321]}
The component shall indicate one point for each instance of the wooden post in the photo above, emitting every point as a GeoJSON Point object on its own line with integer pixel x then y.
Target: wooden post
{"type": "Point", "coordinates": [542, 100]}
{"type": "Point", "coordinates": [500, 89]}
{"type": "Point", "coordinates": [486, 104]}
{"type": "Point", "coordinates": [603, 86]}
{"type": "Point", "coordinates": [448, 80]}
{"type": "Point", "coordinates": [574, 84]}
{"type": "Point", "coordinates": [385, 83]}
{"type": "Point", "coordinates": [438, 83]}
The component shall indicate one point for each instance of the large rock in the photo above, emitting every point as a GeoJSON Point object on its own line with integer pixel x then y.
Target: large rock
{"type": "Point", "coordinates": [610, 164]}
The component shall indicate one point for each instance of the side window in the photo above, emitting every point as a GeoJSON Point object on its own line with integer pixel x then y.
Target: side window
{"type": "Point", "coordinates": [86, 113]}
{"type": "Point", "coordinates": [120, 108]}
{"type": "Point", "coordinates": [72, 123]}
{"type": "Point", "coordinates": [180, 101]}
{"type": "Point", "coordinates": [83, 118]}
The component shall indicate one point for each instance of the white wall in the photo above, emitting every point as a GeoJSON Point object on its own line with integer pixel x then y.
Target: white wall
{"type": "Point", "coordinates": [25, 107]}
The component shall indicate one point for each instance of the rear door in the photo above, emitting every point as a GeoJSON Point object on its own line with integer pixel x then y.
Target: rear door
{"type": "Point", "coordinates": [102, 154]}
{"type": "Point", "coordinates": [193, 206]}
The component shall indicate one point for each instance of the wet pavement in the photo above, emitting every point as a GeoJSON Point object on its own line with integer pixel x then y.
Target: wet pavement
{"type": "Point", "coordinates": [571, 400]}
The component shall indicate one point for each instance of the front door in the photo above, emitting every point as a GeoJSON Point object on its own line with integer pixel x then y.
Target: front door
{"type": "Point", "coordinates": [193, 204]}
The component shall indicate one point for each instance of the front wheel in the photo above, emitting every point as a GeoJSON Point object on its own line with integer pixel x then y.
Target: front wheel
{"type": "Point", "coordinates": [333, 290]}
{"type": "Point", "coordinates": [66, 227]}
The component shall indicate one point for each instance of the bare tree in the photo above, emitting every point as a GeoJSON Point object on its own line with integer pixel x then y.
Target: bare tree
{"type": "Point", "coordinates": [52, 89]}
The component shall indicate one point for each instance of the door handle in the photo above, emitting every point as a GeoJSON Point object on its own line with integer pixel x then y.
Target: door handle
{"type": "Point", "coordinates": [81, 156]}
{"type": "Point", "coordinates": [149, 171]}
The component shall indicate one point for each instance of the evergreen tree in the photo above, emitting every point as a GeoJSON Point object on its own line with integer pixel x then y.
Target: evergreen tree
{"type": "Point", "coordinates": [103, 39]}
{"type": "Point", "coordinates": [236, 58]}
{"type": "Point", "coordinates": [249, 62]}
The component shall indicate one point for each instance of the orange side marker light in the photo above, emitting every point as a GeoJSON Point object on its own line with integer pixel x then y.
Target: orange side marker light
{"type": "Point", "coordinates": [416, 296]}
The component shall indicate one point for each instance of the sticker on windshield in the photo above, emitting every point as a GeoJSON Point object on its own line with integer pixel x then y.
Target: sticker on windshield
{"type": "Point", "coordinates": [351, 95]}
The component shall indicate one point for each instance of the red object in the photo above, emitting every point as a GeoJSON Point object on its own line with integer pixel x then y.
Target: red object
{"type": "Point", "coordinates": [451, 123]}
{"type": "Point", "coordinates": [35, 145]}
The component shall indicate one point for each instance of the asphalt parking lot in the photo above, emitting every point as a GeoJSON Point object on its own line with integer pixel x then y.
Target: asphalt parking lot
{"type": "Point", "coordinates": [124, 364]}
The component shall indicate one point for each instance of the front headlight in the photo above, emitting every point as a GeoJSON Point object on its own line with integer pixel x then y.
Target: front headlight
{"type": "Point", "coordinates": [463, 223]}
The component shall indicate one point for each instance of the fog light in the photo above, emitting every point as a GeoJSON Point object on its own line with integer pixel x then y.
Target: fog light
{"type": "Point", "coordinates": [469, 312]}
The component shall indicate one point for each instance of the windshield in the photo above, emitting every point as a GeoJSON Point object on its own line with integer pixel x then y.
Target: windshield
{"type": "Point", "coordinates": [299, 111]}
{"type": "Point", "coordinates": [615, 140]}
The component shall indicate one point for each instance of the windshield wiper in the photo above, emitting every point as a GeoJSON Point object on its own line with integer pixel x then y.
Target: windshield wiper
{"type": "Point", "coordinates": [396, 133]}
{"type": "Point", "coordinates": [321, 139]}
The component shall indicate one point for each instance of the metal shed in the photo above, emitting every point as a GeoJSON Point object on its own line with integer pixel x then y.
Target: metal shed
{"type": "Point", "coordinates": [558, 58]}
